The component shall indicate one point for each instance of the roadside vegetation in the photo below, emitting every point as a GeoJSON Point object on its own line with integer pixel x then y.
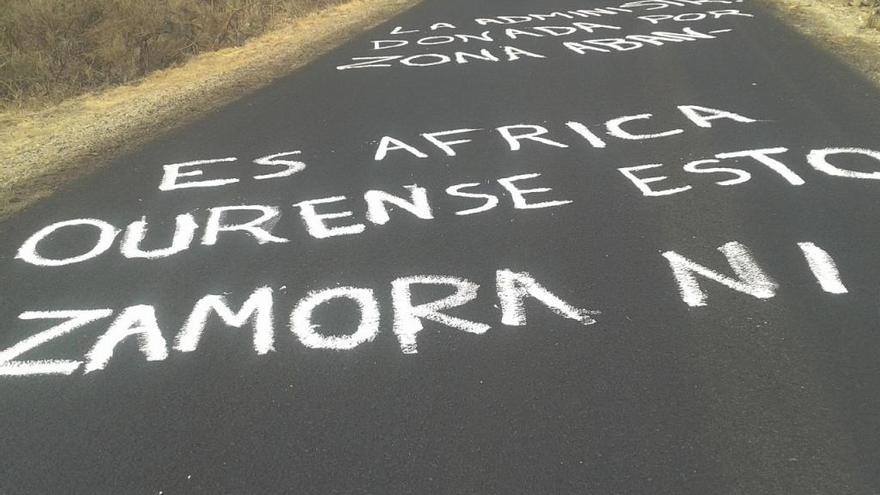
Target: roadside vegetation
{"type": "Point", "coordinates": [105, 68]}
{"type": "Point", "coordinates": [873, 20]}
{"type": "Point", "coordinates": [869, 10]}
{"type": "Point", "coordinates": [51, 50]}
{"type": "Point", "coordinates": [847, 29]}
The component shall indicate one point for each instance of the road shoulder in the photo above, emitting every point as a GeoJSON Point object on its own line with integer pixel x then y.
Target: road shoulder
{"type": "Point", "coordinates": [839, 28]}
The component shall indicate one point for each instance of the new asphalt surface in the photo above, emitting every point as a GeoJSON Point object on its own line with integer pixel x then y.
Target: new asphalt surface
{"type": "Point", "coordinates": [776, 394]}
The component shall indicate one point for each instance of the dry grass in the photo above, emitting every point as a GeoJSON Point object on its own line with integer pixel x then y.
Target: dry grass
{"type": "Point", "coordinates": [872, 7]}
{"type": "Point", "coordinates": [43, 149]}
{"type": "Point", "coordinates": [54, 49]}
{"type": "Point", "coordinates": [873, 21]}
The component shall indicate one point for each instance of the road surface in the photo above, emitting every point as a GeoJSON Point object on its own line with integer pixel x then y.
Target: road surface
{"type": "Point", "coordinates": [486, 247]}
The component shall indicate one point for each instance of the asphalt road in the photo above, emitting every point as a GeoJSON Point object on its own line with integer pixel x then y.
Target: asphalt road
{"type": "Point", "coordinates": [625, 354]}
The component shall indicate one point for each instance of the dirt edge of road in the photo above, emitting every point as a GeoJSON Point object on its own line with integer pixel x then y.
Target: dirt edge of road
{"type": "Point", "coordinates": [840, 28]}
{"type": "Point", "coordinates": [43, 150]}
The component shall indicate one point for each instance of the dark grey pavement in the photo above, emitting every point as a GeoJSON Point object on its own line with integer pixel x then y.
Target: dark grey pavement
{"type": "Point", "coordinates": [773, 391]}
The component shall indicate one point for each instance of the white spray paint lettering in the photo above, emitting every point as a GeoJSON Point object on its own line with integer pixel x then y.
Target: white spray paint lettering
{"type": "Point", "coordinates": [135, 321]}
{"type": "Point", "coordinates": [823, 267]}
{"type": "Point", "coordinates": [408, 317]}
{"type": "Point", "coordinates": [301, 319]}
{"type": "Point", "coordinates": [256, 309]}
{"type": "Point", "coordinates": [750, 278]}
{"type": "Point", "coordinates": [74, 319]}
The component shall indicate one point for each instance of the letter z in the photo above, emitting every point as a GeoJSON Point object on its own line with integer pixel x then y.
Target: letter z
{"type": "Point", "coordinates": [370, 62]}
{"type": "Point", "coordinates": [75, 319]}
